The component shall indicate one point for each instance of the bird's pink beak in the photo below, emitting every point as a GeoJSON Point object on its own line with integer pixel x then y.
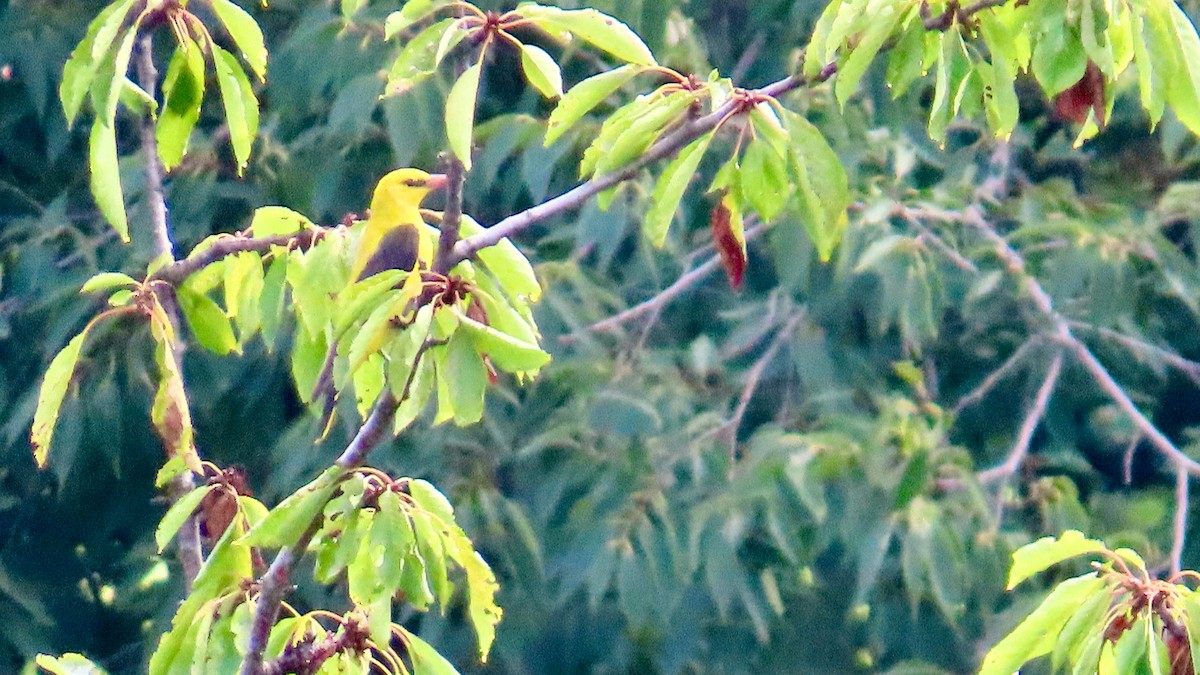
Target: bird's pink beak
{"type": "Point", "coordinates": [436, 181]}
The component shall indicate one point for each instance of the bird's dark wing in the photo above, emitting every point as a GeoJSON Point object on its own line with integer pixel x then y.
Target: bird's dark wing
{"type": "Point", "coordinates": [397, 250]}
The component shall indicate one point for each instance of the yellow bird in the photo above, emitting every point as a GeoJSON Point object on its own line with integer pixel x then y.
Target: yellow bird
{"type": "Point", "coordinates": [394, 236]}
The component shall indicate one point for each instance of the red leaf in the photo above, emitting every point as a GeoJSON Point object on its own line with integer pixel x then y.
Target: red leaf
{"type": "Point", "coordinates": [1086, 94]}
{"type": "Point", "coordinates": [729, 238]}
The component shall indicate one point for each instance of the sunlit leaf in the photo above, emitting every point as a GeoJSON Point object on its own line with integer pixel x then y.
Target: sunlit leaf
{"type": "Point", "coordinates": [584, 97]}
{"type": "Point", "coordinates": [1036, 634]}
{"type": "Point", "coordinates": [54, 388]}
{"type": "Point", "coordinates": [179, 512]}
{"type": "Point", "coordinates": [245, 33]}
{"type": "Point", "coordinates": [241, 106]}
{"type": "Point", "coordinates": [460, 113]}
{"type": "Point", "coordinates": [1040, 555]}
{"type": "Point", "coordinates": [541, 71]}
{"type": "Point", "coordinates": [594, 27]}
{"type": "Point", "coordinates": [183, 92]}
{"type": "Point", "coordinates": [669, 189]}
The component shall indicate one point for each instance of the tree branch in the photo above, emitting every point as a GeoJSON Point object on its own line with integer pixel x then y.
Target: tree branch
{"type": "Point", "coordinates": [1015, 263]}
{"type": "Point", "coordinates": [189, 551]}
{"type": "Point", "coordinates": [1033, 417]}
{"type": "Point", "coordinates": [1186, 366]}
{"type": "Point", "coordinates": [976, 395]}
{"type": "Point", "coordinates": [1179, 525]}
{"type": "Point", "coordinates": [148, 81]}
{"type": "Point", "coordinates": [451, 217]}
{"type": "Point", "coordinates": [277, 580]}
{"type": "Point", "coordinates": [177, 272]}
{"type": "Point", "coordinates": [754, 376]}
{"type": "Point", "coordinates": [665, 147]}
{"type": "Point", "coordinates": [683, 283]}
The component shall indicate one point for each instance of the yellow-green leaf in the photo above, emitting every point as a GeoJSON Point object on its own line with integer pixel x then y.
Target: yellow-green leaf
{"type": "Point", "coordinates": [50, 397]}
{"type": "Point", "coordinates": [584, 97]}
{"type": "Point", "coordinates": [208, 322]}
{"type": "Point", "coordinates": [541, 71]}
{"type": "Point", "coordinates": [460, 113]}
{"type": "Point", "coordinates": [183, 92]}
{"type": "Point", "coordinates": [241, 107]}
{"type": "Point", "coordinates": [669, 189]}
{"type": "Point", "coordinates": [178, 514]}
{"type": "Point", "coordinates": [593, 27]}
{"type": "Point", "coordinates": [246, 34]}
{"type": "Point", "coordinates": [1036, 557]}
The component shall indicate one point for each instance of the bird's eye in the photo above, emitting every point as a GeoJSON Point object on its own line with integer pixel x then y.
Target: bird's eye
{"type": "Point", "coordinates": [413, 182]}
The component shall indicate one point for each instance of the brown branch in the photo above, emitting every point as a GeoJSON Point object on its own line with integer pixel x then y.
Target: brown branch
{"type": "Point", "coordinates": [451, 216]}
{"type": "Point", "coordinates": [665, 147]}
{"type": "Point", "coordinates": [955, 13]}
{"type": "Point", "coordinates": [1033, 417]}
{"type": "Point", "coordinates": [177, 272]}
{"type": "Point", "coordinates": [683, 283]}
{"type": "Point", "coordinates": [1179, 525]}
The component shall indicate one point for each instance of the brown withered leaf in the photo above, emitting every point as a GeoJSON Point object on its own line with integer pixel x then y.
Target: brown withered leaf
{"type": "Point", "coordinates": [729, 237]}
{"type": "Point", "coordinates": [1085, 95]}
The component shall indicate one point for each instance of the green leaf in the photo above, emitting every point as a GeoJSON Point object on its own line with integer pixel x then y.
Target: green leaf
{"type": "Point", "coordinates": [178, 514]}
{"type": "Point", "coordinates": [823, 186]}
{"type": "Point", "coordinates": [507, 352]}
{"type": "Point", "coordinates": [412, 12]}
{"type": "Point", "coordinates": [454, 34]}
{"type": "Point", "coordinates": [433, 552]}
{"type": "Point", "coordinates": [425, 659]}
{"type": "Point", "coordinates": [287, 521]}
{"type": "Point", "coordinates": [271, 302]}
{"type": "Point", "coordinates": [883, 22]}
{"type": "Point", "coordinates": [1059, 60]}
{"type": "Point", "coordinates": [241, 107]}
{"type": "Point", "coordinates": [208, 322]}
{"type": "Point", "coordinates": [1183, 92]}
{"type": "Point", "coordinates": [669, 189]}
{"type": "Point", "coordinates": [108, 280]}
{"type": "Point", "coordinates": [584, 97]}
{"type": "Point", "coordinates": [643, 132]}
{"type": "Point", "coordinates": [460, 113]}
{"type": "Point", "coordinates": [137, 100]}
{"type": "Point", "coordinates": [274, 221]}
{"type": "Point", "coordinates": [417, 61]}
{"type": "Point", "coordinates": [68, 664]}
{"type": "Point", "coordinates": [1038, 556]}
{"type": "Point", "coordinates": [50, 397]}
{"type": "Point", "coordinates": [1155, 60]}
{"type": "Point", "coordinates": [904, 62]}
{"type": "Point", "coordinates": [183, 92]}
{"type": "Point", "coordinates": [80, 69]}
{"type": "Point", "coordinates": [462, 367]}
{"type": "Point", "coordinates": [105, 180]}
{"type": "Point", "coordinates": [593, 27]}
{"type": "Point", "coordinates": [245, 33]}
{"type": "Point", "coordinates": [506, 262]}
{"type": "Point", "coordinates": [953, 67]}
{"type": "Point", "coordinates": [763, 179]}
{"type": "Point", "coordinates": [1035, 636]}
{"type": "Point", "coordinates": [1075, 640]}
{"type": "Point", "coordinates": [541, 71]}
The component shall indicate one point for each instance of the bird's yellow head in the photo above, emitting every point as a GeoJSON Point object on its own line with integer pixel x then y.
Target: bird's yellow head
{"type": "Point", "coordinates": [406, 186]}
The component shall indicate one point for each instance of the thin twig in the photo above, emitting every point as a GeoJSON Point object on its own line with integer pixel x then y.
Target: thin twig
{"type": "Point", "coordinates": [665, 147]}
{"type": "Point", "coordinates": [1127, 459]}
{"type": "Point", "coordinates": [1033, 417]}
{"type": "Point", "coordinates": [927, 234]}
{"type": "Point", "coordinates": [754, 376]}
{"type": "Point", "coordinates": [1182, 504]}
{"type": "Point", "coordinates": [1184, 365]}
{"type": "Point", "coordinates": [683, 283]}
{"type": "Point", "coordinates": [976, 395]}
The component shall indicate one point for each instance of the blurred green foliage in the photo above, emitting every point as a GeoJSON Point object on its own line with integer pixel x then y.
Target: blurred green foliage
{"type": "Point", "coordinates": [836, 527]}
